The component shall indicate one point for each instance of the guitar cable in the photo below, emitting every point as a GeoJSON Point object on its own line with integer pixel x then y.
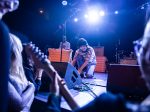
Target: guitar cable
{"type": "Point", "coordinates": [90, 89]}
{"type": "Point", "coordinates": [94, 84]}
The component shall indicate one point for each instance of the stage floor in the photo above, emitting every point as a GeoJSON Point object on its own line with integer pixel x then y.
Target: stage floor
{"type": "Point", "coordinates": [82, 96]}
{"type": "Point", "coordinates": [97, 85]}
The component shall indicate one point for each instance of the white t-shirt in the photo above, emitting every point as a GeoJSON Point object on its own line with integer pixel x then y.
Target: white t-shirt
{"type": "Point", "coordinates": [64, 45]}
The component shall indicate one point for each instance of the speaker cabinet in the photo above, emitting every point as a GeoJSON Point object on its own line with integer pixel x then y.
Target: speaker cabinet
{"type": "Point", "coordinates": [126, 79]}
{"type": "Point", "coordinates": [68, 72]}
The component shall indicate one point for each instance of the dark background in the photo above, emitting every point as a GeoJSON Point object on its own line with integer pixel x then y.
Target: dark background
{"type": "Point", "coordinates": [46, 29]}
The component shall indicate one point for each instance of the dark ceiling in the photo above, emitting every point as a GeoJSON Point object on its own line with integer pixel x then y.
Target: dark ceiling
{"type": "Point", "coordinates": [46, 29]}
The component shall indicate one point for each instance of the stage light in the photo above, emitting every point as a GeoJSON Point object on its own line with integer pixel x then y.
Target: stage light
{"type": "Point", "coordinates": [75, 19]}
{"type": "Point", "coordinates": [116, 12]}
{"type": "Point", "coordinates": [41, 11]}
{"type": "Point", "coordinates": [93, 16]}
{"type": "Point", "coordinates": [64, 2]}
{"type": "Point", "coordinates": [85, 16]}
{"type": "Point", "coordinates": [102, 13]}
{"type": "Point", "coordinates": [142, 7]}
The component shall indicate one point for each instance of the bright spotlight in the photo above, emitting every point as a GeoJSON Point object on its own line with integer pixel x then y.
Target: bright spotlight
{"type": "Point", "coordinates": [93, 16]}
{"type": "Point", "coordinates": [142, 7]}
{"type": "Point", "coordinates": [102, 13]}
{"type": "Point", "coordinates": [41, 11]}
{"type": "Point", "coordinates": [64, 2]}
{"type": "Point", "coordinates": [116, 12]}
{"type": "Point", "coordinates": [86, 16]}
{"type": "Point", "coordinates": [75, 19]}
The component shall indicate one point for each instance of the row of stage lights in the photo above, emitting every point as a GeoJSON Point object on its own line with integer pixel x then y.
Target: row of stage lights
{"type": "Point", "coordinates": [94, 16]}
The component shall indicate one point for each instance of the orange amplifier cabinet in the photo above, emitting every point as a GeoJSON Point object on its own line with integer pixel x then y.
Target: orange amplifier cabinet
{"type": "Point", "coordinates": [99, 50]}
{"type": "Point", "coordinates": [100, 66]}
{"type": "Point", "coordinates": [55, 55]}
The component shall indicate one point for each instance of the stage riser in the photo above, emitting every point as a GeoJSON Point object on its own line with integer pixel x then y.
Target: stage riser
{"type": "Point", "coordinates": [126, 79]}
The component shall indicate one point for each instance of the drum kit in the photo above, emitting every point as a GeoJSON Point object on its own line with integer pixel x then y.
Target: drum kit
{"type": "Point", "coordinates": [123, 57]}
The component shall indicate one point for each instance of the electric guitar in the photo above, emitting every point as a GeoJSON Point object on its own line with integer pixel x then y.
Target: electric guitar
{"type": "Point", "coordinates": [41, 61]}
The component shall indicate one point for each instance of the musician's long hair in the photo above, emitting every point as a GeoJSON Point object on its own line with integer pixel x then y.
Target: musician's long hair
{"type": "Point", "coordinates": [16, 68]}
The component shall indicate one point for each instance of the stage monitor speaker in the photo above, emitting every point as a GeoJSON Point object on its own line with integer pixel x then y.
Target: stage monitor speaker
{"type": "Point", "coordinates": [126, 79]}
{"type": "Point", "coordinates": [68, 72]}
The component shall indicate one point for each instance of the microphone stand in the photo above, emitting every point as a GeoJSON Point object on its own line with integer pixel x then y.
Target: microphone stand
{"type": "Point", "coordinates": [63, 41]}
{"type": "Point", "coordinates": [117, 55]}
{"type": "Point", "coordinates": [61, 51]}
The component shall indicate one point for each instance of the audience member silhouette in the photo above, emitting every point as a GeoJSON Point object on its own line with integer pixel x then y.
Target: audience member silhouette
{"type": "Point", "coordinates": [5, 6]}
{"type": "Point", "coordinates": [4, 65]}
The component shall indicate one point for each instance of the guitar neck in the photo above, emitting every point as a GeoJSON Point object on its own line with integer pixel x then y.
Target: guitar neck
{"type": "Point", "coordinates": [63, 88]}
